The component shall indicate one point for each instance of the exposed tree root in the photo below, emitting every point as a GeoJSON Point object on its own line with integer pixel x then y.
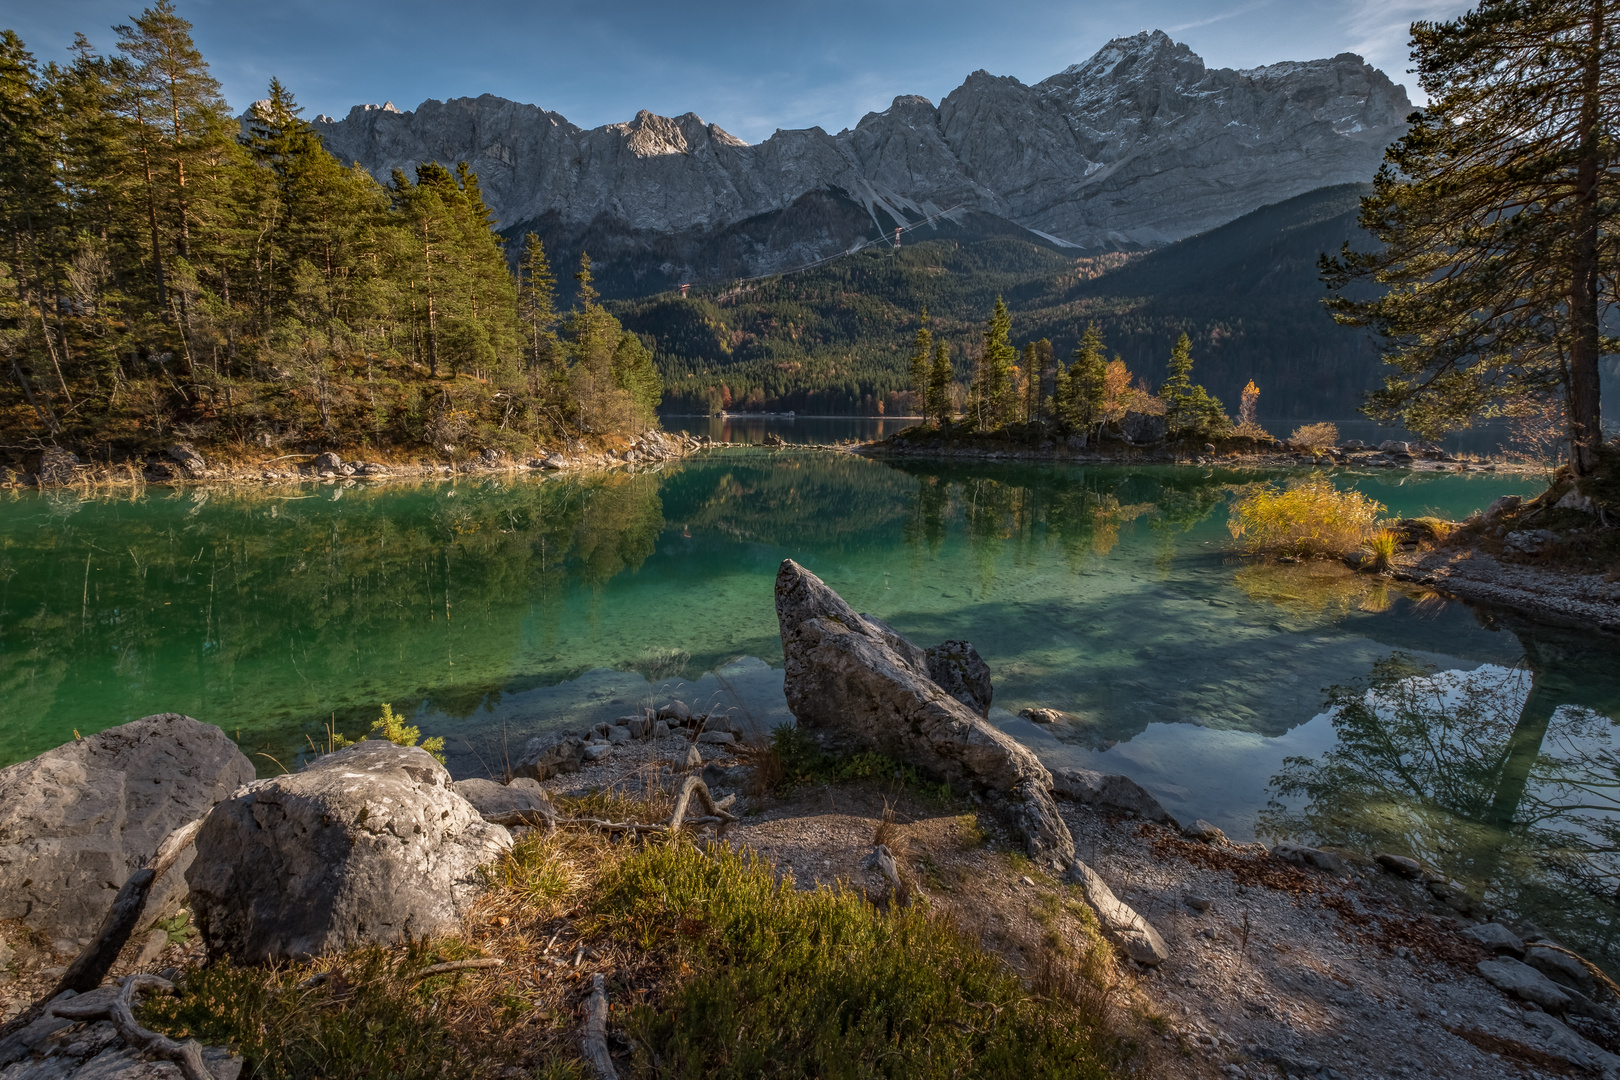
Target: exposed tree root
{"type": "Point", "coordinates": [187, 1055]}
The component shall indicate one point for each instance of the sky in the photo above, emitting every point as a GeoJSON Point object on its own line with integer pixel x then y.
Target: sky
{"type": "Point", "coordinates": [751, 66]}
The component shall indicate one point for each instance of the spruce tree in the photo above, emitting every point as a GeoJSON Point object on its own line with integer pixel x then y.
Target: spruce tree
{"type": "Point", "coordinates": [1087, 382]}
{"type": "Point", "coordinates": [993, 386]}
{"type": "Point", "coordinates": [1495, 217]}
{"type": "Point", "coordinates": [537, 301]}
{"type": "Point", "coordinates": [917, 368]}
{"type": "Point", "coordinates": [1189, 408]}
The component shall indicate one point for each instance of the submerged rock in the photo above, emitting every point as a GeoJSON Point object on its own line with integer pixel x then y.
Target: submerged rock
{"type": "Point", "coordinates": [853, 683]}
{"type": "Point", "coordinates": [365, 845]}
{"type": "Point", "coordinates": [76, 821]}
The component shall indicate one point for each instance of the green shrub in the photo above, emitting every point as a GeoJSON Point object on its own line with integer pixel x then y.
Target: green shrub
{"type": "Point", "coordinates": [775, 982]}
{"type": "Point", "coordinates": [1308, 517]}
{"type": "Point", "coordinates": [392, 727]}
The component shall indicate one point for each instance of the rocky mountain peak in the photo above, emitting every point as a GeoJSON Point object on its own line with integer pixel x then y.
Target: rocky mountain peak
{"type": "Point", "coordinates": [1139, 145]}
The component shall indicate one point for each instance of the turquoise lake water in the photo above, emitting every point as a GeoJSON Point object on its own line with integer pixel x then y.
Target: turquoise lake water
{"type": "Point", "coordinates": [494, 609]}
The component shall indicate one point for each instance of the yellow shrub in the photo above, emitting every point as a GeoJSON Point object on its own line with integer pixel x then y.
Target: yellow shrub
{"type": "Point", "coordinates": [1309, 517]}
{"type": "Point", "coordinates": [1315, 436]}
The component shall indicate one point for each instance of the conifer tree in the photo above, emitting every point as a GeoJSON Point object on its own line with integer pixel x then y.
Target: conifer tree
{"type": "Point", "coordinates": [1189, 408]}
{"type": "Point", "coordinates": [993, 385]}
{"type": "Point", "coordinates": [940, 378]}
{"type": "Point", "coordinates": [1495, 219]}
{"type": "Point", "coordinates": [917, 369]}
{"type": "Point", "coordinates": [1087, 382]}
{"type": "Point", "coordinates": [537, 301]}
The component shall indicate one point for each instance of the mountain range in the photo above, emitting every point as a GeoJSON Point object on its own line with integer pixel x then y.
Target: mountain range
{"type": "Point", "coordinates": [1137, 147]}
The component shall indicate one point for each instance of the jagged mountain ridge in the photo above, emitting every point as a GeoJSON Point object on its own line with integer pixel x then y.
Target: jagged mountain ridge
{"type": "Point", "coordinates": [1137, 147]}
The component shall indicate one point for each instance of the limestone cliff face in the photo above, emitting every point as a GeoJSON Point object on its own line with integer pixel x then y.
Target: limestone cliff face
{"type": "Point", "coordinates": [1140, 145]}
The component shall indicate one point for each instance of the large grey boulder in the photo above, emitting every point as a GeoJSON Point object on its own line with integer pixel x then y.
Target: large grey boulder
{"type": "Point", "coordinates": [361, 846]}
{"type": "Point", "coordinates": [853, 683]}
{"type": "Point", "coordinates": [492, 800]}
{"type": "Point", "coordinates": [76, 821]}
{"type": "Point", "coordinates": [957, 668]}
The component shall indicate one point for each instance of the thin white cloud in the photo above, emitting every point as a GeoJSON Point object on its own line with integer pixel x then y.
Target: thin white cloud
{"type": "Point", "coordinates": [1241, 9]}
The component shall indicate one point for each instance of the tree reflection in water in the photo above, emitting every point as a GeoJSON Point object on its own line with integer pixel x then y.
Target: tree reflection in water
{"type": "Point", "coordinates": [1493, 776]}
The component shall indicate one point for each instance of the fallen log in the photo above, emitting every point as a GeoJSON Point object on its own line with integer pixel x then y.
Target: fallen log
{"type": "Point", "coordinates": [594, 1041]}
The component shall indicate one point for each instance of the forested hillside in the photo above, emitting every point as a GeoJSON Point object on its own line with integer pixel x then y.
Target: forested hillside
{"type": "Point", "coordinates": [836, 339]}
{"type": "Point", "coordinates": [169, 271]}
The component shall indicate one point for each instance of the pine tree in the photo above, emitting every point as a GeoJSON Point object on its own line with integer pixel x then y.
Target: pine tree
{"type": "Point", "coordinates": [993, 386]}
{"type": "Point", "coordinates": [917, 368]}
{"type": "Point", "coordinates": [1087, 382]}
{"type": "Point", "coordinates": [1189, 408]}
{"type": "Point", "coordinates": [1494, 216]}
{"type": "Point", "coordinates": [537, 301]}
{"type": "Point", "coordinates": [940, 379]}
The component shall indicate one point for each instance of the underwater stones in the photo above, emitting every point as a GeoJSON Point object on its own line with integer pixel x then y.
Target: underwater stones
{"type": "Point", "coordinates": [957, 668]}
{"type": "Point", "coordinates": [1120, 922]}
{"type": "Point", "coordinates": [362, 846]}
{"type": "Point", "coordinates": [76, 821]}
{"type": "Point", "coordinates": [545, 757]}
{"type": "Point", "coordinates": [853, 683]}
{"type": "Point", "coordinates": [1041, 716]}
{"type": "Point", "coordinates": [1110, 791]}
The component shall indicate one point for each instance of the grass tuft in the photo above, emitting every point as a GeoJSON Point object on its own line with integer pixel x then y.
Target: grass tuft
{"type": "Point", "coordinates": [775, 982]}
{"type": "Point", "coordinates": [1381, 548]}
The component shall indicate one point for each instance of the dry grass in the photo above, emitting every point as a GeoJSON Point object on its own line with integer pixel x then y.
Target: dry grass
{"type": "Point", "coordinates": [1307, 517]}
{"type": "Point", "coordinates": [1381, 548]}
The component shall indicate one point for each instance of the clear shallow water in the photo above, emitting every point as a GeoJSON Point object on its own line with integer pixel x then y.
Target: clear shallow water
{"type": "Point", "coordinates": [500, 608]}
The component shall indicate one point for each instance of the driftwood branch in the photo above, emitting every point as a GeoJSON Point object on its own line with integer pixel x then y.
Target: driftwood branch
{"type": "Point", "coordinates": [594, 1041]}
{"type": "Point", "coordinates": [187, 1055]}
{"type": "Point", "coordinates": [458, 965]}
{"type": "Point", "coordinates": [90, 967]}
{"type": "Point", "coordinates": [692, 787]}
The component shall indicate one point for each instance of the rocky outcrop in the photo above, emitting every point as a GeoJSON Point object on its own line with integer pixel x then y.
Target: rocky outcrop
{"type": "Point", "coordinates": [853, 683]}
{"type": "Point", "coordinates": [76, 821]}
{"type": "Point", "coordinates": [957, 668]}
{"type": "Point", "coordinates": [364, 845]}
{"type": "Point", "coordinates": [1110, 791]}
{"type": "Point", "coordinates": [1140, 145]}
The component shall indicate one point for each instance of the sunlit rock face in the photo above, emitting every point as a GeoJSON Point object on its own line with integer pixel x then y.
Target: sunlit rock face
{"type": "Point", "coordinates": [1138, 146]}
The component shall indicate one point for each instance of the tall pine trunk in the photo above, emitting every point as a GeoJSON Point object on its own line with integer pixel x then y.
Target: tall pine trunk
{"type": "Point", "coordinates": [1585, 417]}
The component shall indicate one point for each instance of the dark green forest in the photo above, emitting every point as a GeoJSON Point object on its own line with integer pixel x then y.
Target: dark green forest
{"type": "Point", "coordinates": [836, 339]}
{"type": "Point", "coordinates": [171, 271]}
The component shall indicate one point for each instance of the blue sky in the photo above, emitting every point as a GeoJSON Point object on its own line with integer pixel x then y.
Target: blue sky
{"type": "Point", "coordinates": [750, 67]}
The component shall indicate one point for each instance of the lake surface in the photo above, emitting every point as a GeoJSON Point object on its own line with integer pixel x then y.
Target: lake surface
{"type": "Point", "coordinates": [495, 609]}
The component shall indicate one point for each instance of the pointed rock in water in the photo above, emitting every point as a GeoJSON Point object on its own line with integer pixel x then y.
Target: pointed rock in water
{"type": "Point", "coordinates": [853, 683]}
{"type": "Point", "coordinates": [361, 846]}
